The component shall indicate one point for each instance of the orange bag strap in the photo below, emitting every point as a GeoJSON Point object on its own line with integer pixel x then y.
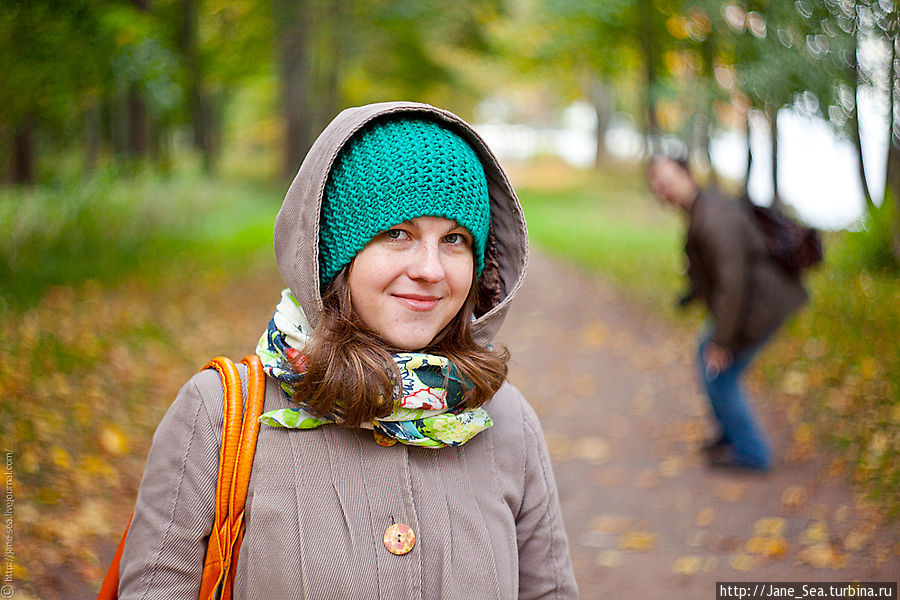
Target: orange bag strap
{"type": "Point", "coordinates": [240, 429]}
{"type": "Point", "coordinates": [256, 392]}
{"type": "Point", "coordinates": [239, 432]}
{"type": "Point", "coordinates": [231, 438]}
{"type": "Point", "coordinates": [109, 589]}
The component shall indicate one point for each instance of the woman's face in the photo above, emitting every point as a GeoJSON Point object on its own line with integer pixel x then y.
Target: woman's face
{"type": "Point", "coordinates": [411, 280]}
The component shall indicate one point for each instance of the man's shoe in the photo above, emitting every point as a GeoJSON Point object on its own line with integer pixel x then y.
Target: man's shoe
{"type": "Point", "coordinates": [715, 444]}
{"type": "Point", "coordinates": [724, 460]}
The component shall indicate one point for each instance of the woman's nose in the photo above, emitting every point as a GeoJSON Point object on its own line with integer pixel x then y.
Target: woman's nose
{"type": "Point", "coordinates": [425, 264]}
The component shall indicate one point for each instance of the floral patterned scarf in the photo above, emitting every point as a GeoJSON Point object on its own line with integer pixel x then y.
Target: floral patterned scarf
{"type": "Point", "coordinates": [429, 409]}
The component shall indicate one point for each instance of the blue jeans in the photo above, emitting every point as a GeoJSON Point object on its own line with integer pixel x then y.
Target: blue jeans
{"type": "Point", "coordinates": [747, 442]}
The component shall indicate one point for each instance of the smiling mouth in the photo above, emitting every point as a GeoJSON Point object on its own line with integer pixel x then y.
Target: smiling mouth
{"type": "Point", "coordinates": [418, 302]}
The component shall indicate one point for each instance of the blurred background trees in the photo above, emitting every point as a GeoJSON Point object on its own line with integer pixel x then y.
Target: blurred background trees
{"type": "Point", "coordinates": [139, 82]}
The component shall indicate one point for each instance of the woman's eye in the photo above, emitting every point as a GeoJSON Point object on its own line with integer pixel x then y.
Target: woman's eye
{"type": "Point", "coordinates": [395, 234]}
{"type": "Point", "coordinates": [455, 238]}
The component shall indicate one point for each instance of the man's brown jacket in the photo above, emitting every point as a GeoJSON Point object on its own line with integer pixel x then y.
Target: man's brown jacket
{"type": "Point", "coordinates": [729, 267]}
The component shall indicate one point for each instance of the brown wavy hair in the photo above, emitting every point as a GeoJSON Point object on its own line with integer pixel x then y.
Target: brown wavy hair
{"type": "Point", "coordinates": [349, 369]}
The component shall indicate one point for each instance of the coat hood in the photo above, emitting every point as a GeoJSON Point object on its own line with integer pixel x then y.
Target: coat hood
{"type": "Point", "coordinates": [297, 223]}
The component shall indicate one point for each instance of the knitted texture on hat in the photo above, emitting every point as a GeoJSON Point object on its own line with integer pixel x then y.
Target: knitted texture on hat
{"type": "Point", "coordinates": [394, 170]}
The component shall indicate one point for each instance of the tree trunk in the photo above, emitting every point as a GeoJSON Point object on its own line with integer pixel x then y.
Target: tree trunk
{"type": "Point", "coordinates": [854, 118]}
{"type": "Point", "coordinates": [292, 53]}
{"type": "Point", "coordinates": [706, 120]}
{"type": "Point", "coordinates": [115, 122]}
{"type": "Point", "coordinates": [323, 74]}
{"type": "Point", "coordinates": [159, 146]}
{"type": "Point", "coordinates": [749, 154]}
{"type": "Point", "coordinates": [212, 140]}
{"type": "Point", "coordinates": [138, 120]}
{"type": "Point", "coordinates": [201, 102]}
{"type": "Point", "coordinates": [23, 167]}
{"type": "Point", "coordinates": [648, 48]}
{"type": "Point", "coordinates": [860, 164]}
{"type": "Point", "coordinates": [138, 127]}
{"type": "Point", "coordinates": [892, 183]}
{"type": "Point", "coordinates": [602, 102]}
{"type": "Point", "coordinates": [93, 137]}
{"type": "Point", "coordinates": [772, 114]}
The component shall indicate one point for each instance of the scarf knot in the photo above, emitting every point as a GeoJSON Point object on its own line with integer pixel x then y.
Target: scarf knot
{"type": "Point", "coordinates": [429, 402]}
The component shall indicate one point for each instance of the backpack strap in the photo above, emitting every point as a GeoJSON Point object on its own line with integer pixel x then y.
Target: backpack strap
{"type": "Point", "coordinates": [240, 428]}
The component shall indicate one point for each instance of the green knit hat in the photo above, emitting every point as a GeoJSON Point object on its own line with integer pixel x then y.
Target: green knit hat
{"type": "Point", "coordinates": [394, 170]}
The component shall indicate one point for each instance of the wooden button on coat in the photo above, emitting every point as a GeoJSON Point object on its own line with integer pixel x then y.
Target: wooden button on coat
{"type": "Point", "coordinates": [399, 539]}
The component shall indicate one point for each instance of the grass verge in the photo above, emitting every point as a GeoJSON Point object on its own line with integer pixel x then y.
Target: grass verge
{"type": "Point", "coordinates": [109, 227]}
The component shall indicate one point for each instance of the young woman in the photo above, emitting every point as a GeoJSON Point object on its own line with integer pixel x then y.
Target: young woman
{"type": "Point", "coordinates": [386, 408]}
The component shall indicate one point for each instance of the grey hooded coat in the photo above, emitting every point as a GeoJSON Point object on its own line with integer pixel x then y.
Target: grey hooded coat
{"type": "Point", "coordinates": [485, 514]}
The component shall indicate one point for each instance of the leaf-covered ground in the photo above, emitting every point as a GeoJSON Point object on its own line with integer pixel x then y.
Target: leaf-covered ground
{"type": "Point", "coordinates": [85, 377]}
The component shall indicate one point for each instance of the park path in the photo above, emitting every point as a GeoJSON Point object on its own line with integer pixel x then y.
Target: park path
{"type": "Point", "coordinates": [614, 387]}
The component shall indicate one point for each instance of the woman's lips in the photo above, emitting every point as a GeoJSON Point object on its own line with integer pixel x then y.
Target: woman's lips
{"type": "Point", "coordinates": [418, 302]}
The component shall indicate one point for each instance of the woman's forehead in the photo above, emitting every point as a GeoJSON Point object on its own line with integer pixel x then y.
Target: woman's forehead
{"type": "Point", "coordinates": [431, 222]}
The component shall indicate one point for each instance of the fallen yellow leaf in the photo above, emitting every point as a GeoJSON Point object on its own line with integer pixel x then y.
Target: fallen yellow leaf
{"type": "Point", "coordinates": [803, 433]}
{"type": "Point", "coordinates": [776, 548]}
{"type": "Point", "coordinates": [730, 491]}
{"type": "Point", "coordinates": [671, 466]}
{"type": "Point", "coordinates": [795, 383]}
{"type": "Point", "coordinates": [592, 449]}
{"type": "Point", "coordinates": [794, 496]}
{"type": "Point", "coordinates": [610, 558]}
{"type": "Point", "coordinates": [595, 334]}
{"type": "Point", "coordinates": [696, 538]}
{"type": "Point", "coordinates": [638, 541]}
{"type": "Point", "coordinates": [769, 527]}
{"type": "Point", "coordinates": [869, 368]}
{"type": "Point", "coordinates": [822, 556]}
{"type": "Point", "coordinates": [878, 444]}
{"type": "Point", "coordinates": [687, 565]}
{"type": "Point", "coordinates": [710, 564]}
{"type": "Point", "coordinates": [61, 457]}
{"type": "Point", "coordinates": [854, 541]}
{"type": "Point", "coordinates": [610, 524]}
{"type": "Point", "coordinates": [836, 467]}
{"type": "Point", "coordinates": [842, 513]}
{"type": "Point", "coordinates": [742, 562]}
{"type": "Point", "coordinates": [95, 464]}
{"type": "Point", "coordinates": [755, 545]}
{"type": "Point", "coordinates": [817, 533]}
{"type": "Point", "coordinates": [113, 441]}
{"type": "Point", "coordinates": [559, 447]}
{"type": "Point", "coordinates": [705, 517]}
{"type": "Point", "coordinates": [769, 547]}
